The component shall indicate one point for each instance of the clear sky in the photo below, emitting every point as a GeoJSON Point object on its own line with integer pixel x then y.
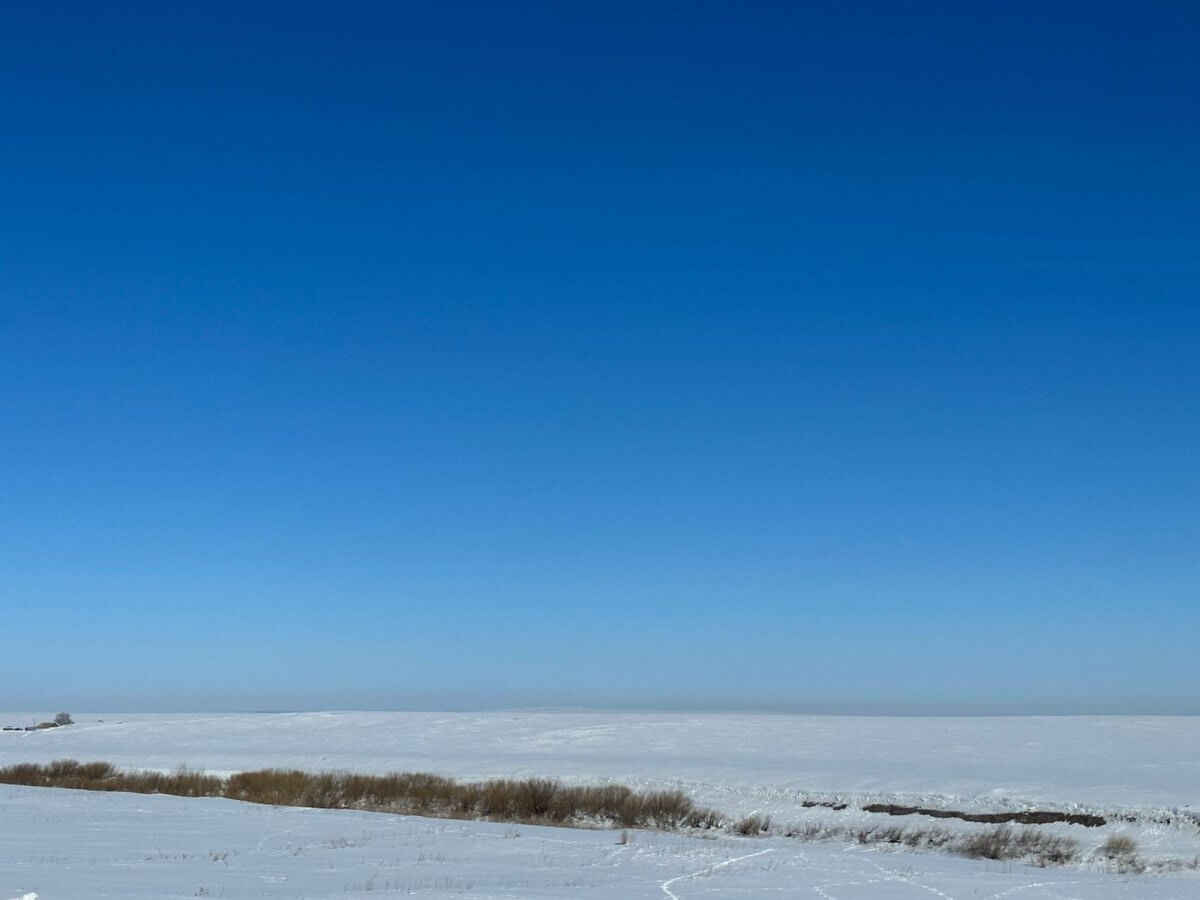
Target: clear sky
{"type": "Point", "coordinates": [410, 355]}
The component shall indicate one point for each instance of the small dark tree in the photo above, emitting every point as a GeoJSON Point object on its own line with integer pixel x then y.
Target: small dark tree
{"type": "Point", "coordinates": [63, 719]}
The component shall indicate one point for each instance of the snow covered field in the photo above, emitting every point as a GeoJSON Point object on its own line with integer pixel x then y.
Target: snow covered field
{"type": "Point", "coordinates": [1141, 773]}
{"type": "Point", "coordinates": [81, 844]}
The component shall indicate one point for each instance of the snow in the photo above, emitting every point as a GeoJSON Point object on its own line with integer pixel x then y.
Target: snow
{"type": "Point", "coordinates": [1103, 761]}
{"type": "Point", "coordinates": [78, 844]}
{"type": "Point", "coordinates": [1141, 772]}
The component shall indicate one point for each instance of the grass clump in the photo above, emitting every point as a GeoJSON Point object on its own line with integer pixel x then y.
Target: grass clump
{"type": "Point", "coordinates": [753, 825]}
{"type": "Point", "coordinates": [1119, 845]}
{"type": "Point", "coordinates": [1121, 852]}
{"type": "Point", "coordinates": [533, 800]}
{"type": "Point", "coordinates": [1002, 842]}
{"type": "Point", "coordinates": [1005, 842]}
{"type": "Point", "coordinates": [530, 800]}
{"type": "Point", "coordinates": [102, 776]}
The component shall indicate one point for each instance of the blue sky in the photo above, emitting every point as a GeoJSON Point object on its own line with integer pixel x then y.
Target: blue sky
{"type": "Point", "coordinates": [640, 355]}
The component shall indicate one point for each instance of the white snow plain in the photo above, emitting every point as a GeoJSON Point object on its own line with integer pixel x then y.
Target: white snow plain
{"type": "Point", "coordinates": [1141, 773]}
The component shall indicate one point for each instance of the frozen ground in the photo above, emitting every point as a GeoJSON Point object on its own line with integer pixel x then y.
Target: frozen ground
{"type": "Point", "coordinates": [77, 844]}
{"type": "Point", "coordinates": [1141, 773]}
{"type": "Point", "coordinates": [1103, 761]}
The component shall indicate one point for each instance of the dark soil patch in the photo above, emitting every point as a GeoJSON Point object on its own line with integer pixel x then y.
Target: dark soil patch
{"type": "Point", "coordinates": [1028, 817]}
{"type": "Point", "coordinates": [809, 804]}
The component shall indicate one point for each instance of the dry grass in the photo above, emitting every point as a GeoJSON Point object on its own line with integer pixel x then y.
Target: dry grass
{"type": "Point", "coordinates": [102, 776]}
{"type": "Point", "coordinates": [814, 831]}
{"type": "Point", "coordinates": [753, 825]}
{"type": "Point", "coordinates": [529, 800]}
{"type": "Point", "coordinates": [1119, 845]}
{"type": "Point", "coordinates": [532, 800]}
{"type": "Point", "coordinates": [998, 843]}
{"type": "Point", "coordinates": [1121, 852]}
{"type": "Point", "coordinates": [1004, 842]}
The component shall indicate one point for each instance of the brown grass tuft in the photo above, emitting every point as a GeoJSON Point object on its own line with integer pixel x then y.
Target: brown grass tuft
{"type": "Point", "coordinates": [1119, 845]}
{"type": "Point", "coordinates": [753, 825]}
{"type": "Point", "coordinates": [1004, 842]}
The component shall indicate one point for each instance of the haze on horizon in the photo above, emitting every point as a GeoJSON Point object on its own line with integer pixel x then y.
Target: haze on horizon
{"type": "Point", "coordinates": [647, 356]}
